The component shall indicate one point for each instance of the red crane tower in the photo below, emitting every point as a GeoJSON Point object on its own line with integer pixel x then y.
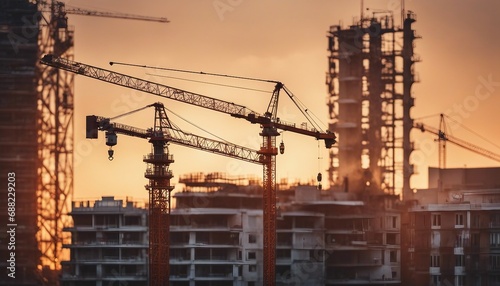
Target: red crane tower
{"type": "Point", "coordinates": [268, 122]}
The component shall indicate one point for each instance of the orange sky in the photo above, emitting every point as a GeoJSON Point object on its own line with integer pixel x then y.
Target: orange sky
{"type": "Point", "coordinates": [281, 40]}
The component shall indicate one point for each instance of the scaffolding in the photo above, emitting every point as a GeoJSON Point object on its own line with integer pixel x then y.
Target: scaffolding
{"type": "Point", "coordinates": [55, 135]}
{"type": "Point", "coordinates": [216, 181]}
{"type": "Point", "coordinates": [369, 79]}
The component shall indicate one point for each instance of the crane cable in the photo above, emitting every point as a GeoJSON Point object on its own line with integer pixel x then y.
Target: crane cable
{"type": "Point", "coordinates": [131, 112]}
{"type": "Point", "coordinates": [319, 177]}
{"type": "Point", "coordinates": [174, 125]}
{"type": "Point", "coordinates": [304, 110]}
{"type": "Point", "coordinates": [207, 82]}
{"type": "Point", "coordinates": [471, 131]}
{"type": "Point", "coordinates": [193, 124]}
{"type": "Point", "coordinates": [295, 100]}
{"type": "Point", "coordinates": [193, 72]}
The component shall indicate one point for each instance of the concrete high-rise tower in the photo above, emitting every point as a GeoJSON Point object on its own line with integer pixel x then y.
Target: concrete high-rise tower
{"type": "Point", "coordinates": [369, 79]}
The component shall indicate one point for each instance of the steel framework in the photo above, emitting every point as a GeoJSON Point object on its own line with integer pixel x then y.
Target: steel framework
{"type": "Point", "coordinates": [369, 82]}
{"type": "Point", "coordinates": [55, 138]}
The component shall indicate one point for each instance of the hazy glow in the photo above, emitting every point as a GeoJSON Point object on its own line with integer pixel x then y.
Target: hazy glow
{"type": "Point", "coordinates": [282, 40]}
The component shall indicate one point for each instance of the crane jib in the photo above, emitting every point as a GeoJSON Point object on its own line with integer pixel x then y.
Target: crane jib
{"type": "Point", "coordinates": [146, 86]}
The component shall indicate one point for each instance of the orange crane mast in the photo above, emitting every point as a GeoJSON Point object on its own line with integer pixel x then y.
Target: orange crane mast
{"type": "Point", "coordinates": [268, 122]}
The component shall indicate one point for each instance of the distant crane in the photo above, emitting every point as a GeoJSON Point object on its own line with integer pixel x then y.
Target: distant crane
{"type": "Point", "coordinates": [55, 123]}
{"type": "Point", "coordinates": [269, 123]}
{"type": "Point", "coordinates": [444, 137]}
{"type": "Point", "coordinates": [62, 9]}
{"type": "Point", "coordinates": [159, 175]}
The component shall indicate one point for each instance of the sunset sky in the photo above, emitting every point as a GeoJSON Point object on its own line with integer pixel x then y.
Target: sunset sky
{"type": "Point", "coordinates": [281, 40]}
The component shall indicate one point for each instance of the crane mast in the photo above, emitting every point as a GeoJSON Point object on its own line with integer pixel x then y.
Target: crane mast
{"type": "Point", "coordinates": [268, 122]}
{"type": "Point", "coordinates": [159, 189]}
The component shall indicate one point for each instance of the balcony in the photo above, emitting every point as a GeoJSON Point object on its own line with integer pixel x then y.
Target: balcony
{"type": "Point", "coordinates": [214, 254]}
{"type": "Point", "coordinates": [359, 242]}
{"type": "Point", "coordinates": [214, 272]}
{"type": "Point", "coordinates": [459, 270]}
{"type": "Point", "coordinates": [434, 271]}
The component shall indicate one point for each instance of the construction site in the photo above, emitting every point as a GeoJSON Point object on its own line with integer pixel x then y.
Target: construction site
{"type": "Point", "coordinates": [363, 224]}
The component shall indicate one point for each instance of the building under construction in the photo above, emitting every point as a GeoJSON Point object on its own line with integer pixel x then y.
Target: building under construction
{"type": "Point", "coordinates": [322, 237]}
{"type": "Point", "coordinates": [370, 76]}
{"type": "Point", "coordinates": [18, 141]}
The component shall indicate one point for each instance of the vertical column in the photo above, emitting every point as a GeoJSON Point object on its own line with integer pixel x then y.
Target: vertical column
{"type": "Point", "coordinates": [408, 101]}
{"type": "Point", "coordinates": [159, 188]}
{"type": "Point", "coordinates": [269, 151]}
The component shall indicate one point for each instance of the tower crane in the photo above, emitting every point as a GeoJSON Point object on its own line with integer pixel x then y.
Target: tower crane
{"type": "Point", "coordinates": [269, 123]}
{"type": "Point", "coordinates": [443, 137]}
{"type": "Point", "coordinates": [159, 175]}
{"type": "Point", "coordinates": [62, 10]}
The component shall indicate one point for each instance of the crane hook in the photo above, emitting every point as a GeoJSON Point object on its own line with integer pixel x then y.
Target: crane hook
{"type": "Point", "coordinates": [282, 145]}
{"type": "Point", "coordinates": [111, 140]}
{"type": "Point", "coordinates": [319, 177]}
{"type": "Point", "coordinates": [111, 152]}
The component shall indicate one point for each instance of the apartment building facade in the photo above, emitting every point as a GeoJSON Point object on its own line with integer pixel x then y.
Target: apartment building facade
{"type": "Point", "coordinates": [109, 243]}
{"type": "Point", "coordinates": [323, 237]}
{"type": "Point", "coordinates": [453, 235]}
